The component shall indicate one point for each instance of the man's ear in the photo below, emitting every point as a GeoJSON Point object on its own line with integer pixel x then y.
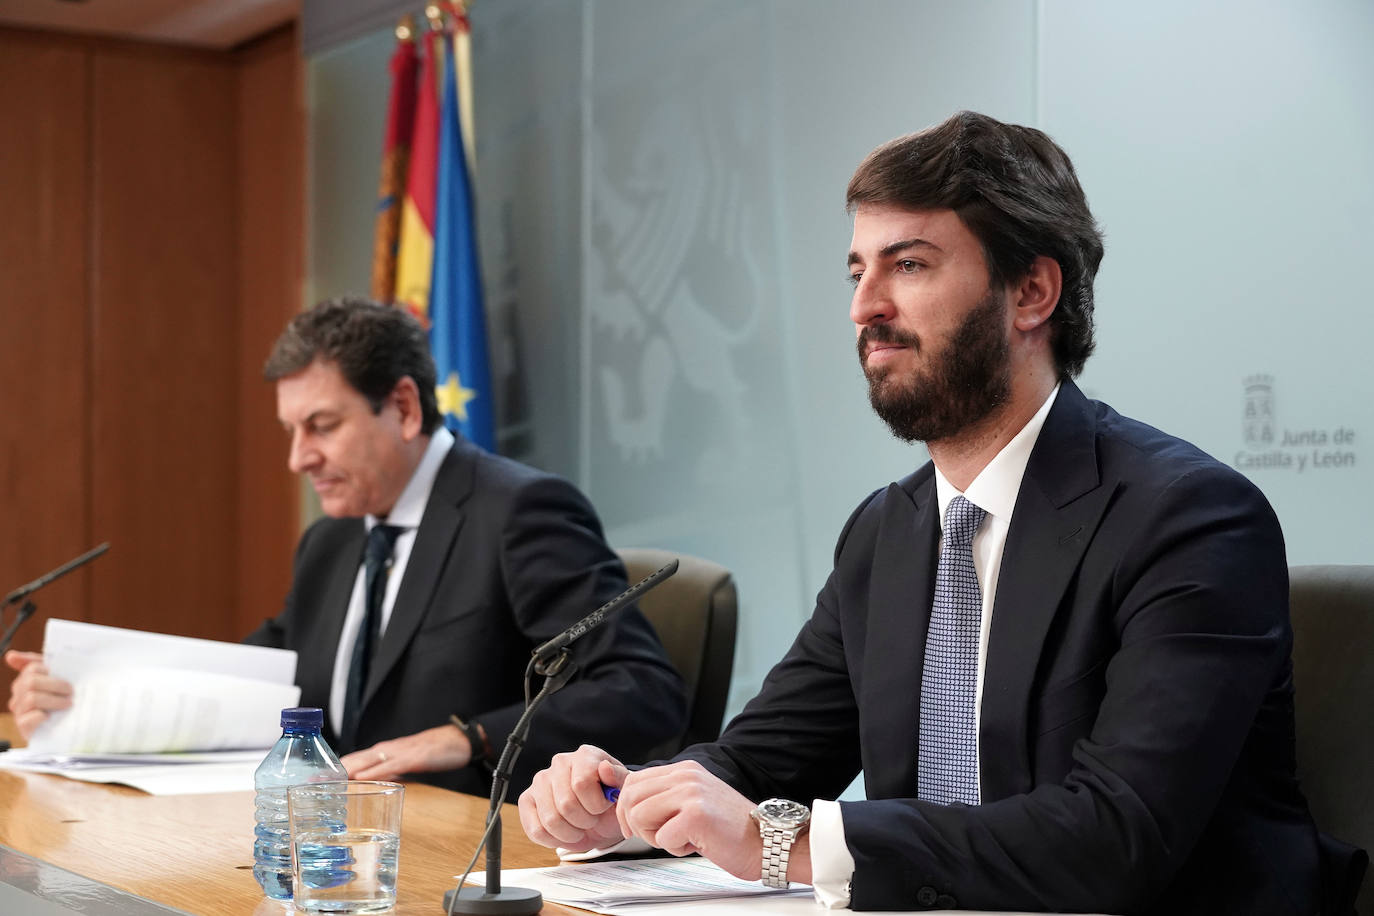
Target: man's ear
{"type": "Point", "coordinates": [406, 397]}
{"type": "Point", "coordinates": [1037, 294]}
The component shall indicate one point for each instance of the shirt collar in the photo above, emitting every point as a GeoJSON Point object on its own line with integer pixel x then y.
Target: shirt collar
{"type": "Point", "coordinates": [996, 487]}
{"type": "Point", "coordinates": [410, 507]}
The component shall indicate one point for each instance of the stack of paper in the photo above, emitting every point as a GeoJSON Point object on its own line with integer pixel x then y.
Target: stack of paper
{"type": "Point", "coordinates": [608, 885]}
{"type": "Point", "coordinates": [138, 694]}
{"type": "Point", "coordinates": [156, 774]}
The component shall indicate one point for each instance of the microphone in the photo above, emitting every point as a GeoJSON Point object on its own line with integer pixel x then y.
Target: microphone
{"type": "Point", "coordinates": [23, 591]}
{"type": "Point", "coordinates": [551, 660]}
{"type": "Point", "coordinates": [597, 617]}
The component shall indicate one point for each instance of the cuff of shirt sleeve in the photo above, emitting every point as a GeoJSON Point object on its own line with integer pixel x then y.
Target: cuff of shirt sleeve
{"type": "Point", "coordinates": [832, 865]}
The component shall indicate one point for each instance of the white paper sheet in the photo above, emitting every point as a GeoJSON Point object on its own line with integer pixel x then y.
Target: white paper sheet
{"type": "Point", "coordinates": [149, 692]}
{"type": "Point", "coordinates": [567, 885]}
{"type": "Point", "coordinates": [639, 881]}
{"type": "Point", "coordinates": [156, 774]}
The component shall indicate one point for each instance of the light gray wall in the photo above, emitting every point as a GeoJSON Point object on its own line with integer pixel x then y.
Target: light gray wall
{"type": "Point", "coordinates": [661, 209]}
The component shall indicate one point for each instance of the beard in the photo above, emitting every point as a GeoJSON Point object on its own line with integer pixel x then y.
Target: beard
{"type": "Point", "coordinates": [957, 387]}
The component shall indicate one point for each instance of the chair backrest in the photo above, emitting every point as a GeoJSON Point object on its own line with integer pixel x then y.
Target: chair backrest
{"type": "Point", "coordinates": [1332, 609]}
{"type": "Point", "coordinates": [694, 613]}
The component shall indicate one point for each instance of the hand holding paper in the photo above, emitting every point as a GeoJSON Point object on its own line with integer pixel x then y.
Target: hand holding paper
{"type": "Point", "coordinates": [136, 692]}
{"type": "Point", "coordinates": [35, 693]}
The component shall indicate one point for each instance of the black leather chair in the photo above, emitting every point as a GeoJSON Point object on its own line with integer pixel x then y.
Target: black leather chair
{"type": "Point", "coordinates": [1333, 668]}
{"type": "Point", "coordinates": [694, 613]}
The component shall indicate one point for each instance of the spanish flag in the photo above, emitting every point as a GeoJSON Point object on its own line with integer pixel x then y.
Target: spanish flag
{"type": "Point", "coordinates": [400, 125]}
{"type": "Point", "coordinates": [415, 250]}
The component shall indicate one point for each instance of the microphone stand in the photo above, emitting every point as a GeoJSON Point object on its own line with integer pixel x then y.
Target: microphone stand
{"type": "Point", "coordinates": [552, 661]}
{"type": "Point", "coordinates": [512, 901]}
{"type": "Point", "coordinates": [24, 613]}
{"type": "Point", "coordinates": [22, 592]}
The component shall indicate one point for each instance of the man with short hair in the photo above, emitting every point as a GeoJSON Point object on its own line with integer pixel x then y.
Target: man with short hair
{"type": "Point", "coordinates": [1058, 652]}
{"type": "Point", "coordinates": [480, 559]}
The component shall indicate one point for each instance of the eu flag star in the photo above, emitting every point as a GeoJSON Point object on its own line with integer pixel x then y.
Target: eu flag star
{"type": "Point", "coordinates": [453, 397]}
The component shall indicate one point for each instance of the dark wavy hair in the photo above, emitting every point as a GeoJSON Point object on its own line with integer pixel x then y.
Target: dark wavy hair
{"type": "Point", "coordinates": [374, 346]}
{"type": "Point", "coordinates": [1016, 191]}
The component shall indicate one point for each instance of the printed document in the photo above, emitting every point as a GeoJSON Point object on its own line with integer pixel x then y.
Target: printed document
{"type": "Point", "coordinates": [671, 887]}
{"type": "Point", "coordinates": [601, 885]}
{"type": "Point", "coordinates": [140, 693]}
{"type": "Point", "coordinates": [156, 774]}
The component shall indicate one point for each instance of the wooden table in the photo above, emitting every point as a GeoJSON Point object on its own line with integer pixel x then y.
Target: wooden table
{"type": "Point", "coordinates": [194, 852]}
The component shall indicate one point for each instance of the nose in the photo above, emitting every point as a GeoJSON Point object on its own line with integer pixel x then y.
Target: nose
{"type": "Point", "coordinates": [871, 303]}
{"type": "Point", "coordinates": [302, 456]}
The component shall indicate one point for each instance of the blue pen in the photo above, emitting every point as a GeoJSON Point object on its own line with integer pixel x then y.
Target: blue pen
{"type": "Point", "coordinates": [612, 794]}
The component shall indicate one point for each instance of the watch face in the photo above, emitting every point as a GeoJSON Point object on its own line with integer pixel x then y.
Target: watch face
{"type": "Point", "coordinates": [780, 812]}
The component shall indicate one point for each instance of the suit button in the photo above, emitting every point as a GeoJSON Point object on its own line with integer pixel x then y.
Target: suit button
{"type": "Point", "coordinates": [946, 902]}
{"type": "Point", "coordinates": [926, 896]}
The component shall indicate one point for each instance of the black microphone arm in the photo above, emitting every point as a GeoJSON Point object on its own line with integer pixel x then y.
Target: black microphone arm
{"type": "Point", "coordinates": [23, 591]}
{"type": "Point", "coordinates": [553, 661]}
{"type": "Point", "coordinates": [593, 620]}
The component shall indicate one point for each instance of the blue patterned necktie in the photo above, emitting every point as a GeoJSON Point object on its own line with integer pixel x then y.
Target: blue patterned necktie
{"type": "Point", "coordinates": [381, 540]}
{"type": "Point", "coordinates": [947, 761]}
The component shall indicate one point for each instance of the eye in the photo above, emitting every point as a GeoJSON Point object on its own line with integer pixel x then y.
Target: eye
{"type": "Point", "coordinates": [908, 266]}
{"type": "Point", "coordinates": [855, 277]}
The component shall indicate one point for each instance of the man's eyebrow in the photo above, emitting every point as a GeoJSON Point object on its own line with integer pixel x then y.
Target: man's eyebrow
{"type": "Point", "coordinates": [892, 248]}
{"type": "Point", "coordinates": [314, 417]}
{"type": "Point", "coordinates": [906, 245]}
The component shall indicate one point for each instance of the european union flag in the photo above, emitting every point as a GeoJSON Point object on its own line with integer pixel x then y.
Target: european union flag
{"type": "Point", "coordinates": [458, 324]}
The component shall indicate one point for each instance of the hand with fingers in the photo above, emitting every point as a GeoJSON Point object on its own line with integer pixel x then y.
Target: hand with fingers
{"type": "Point", "coordinates": [35, 693]}
{"type": "Point", "coordinates": [443, 747]}
{"type": "Point", "coordinates": [683, 808]}
{"type": "Point", "coordinates": [679, 807]}
{"type": "Point", "coordinates": [566, 806]}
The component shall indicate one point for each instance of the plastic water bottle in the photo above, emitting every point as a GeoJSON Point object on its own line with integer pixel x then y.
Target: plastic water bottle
{"type": "Point", "coordinates": [300, 755]}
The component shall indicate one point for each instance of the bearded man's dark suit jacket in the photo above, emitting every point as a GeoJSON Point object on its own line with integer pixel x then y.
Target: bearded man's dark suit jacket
{"type": "Point", "coordinates": [1136, 739]}
{"type": "Point", "coordinates": [505, 558]}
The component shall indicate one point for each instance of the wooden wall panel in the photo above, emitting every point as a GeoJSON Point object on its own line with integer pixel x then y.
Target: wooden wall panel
{"type": "Point", "coordinates": [271, 257]}
{"type": "Point", "coordinates": [44, 380]}
{"type": "Point", "coordinates": [151, 250]}
{"type": "Point", "coordinates": [165, 357]}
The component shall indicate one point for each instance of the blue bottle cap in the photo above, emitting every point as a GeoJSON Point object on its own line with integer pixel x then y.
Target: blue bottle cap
{"type": "Point", "coordinates": [302, 717]}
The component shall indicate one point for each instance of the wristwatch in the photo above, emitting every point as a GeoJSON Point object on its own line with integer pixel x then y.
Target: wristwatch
{"type": "Point", "coordinates": [478, 741]}
{"type": "Point", "coordinates": [780, 823]}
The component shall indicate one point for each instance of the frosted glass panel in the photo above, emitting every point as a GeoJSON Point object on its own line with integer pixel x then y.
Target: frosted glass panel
{"type": "Point", "coordinates": [660, 193]}
{"type": "Point", "coordinates": [346, 95]}
{"type": "Point", "coordinates": [1226, 149]}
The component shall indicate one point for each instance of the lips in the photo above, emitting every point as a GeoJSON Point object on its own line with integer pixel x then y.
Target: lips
{"type": "Point", "coordinates": [880, 342]}
{"type": "Point", "coordinates": [881, 351]}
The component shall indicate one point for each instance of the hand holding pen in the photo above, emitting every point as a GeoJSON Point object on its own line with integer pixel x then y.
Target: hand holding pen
{"type": "Point", "coordinates": [567, 805]}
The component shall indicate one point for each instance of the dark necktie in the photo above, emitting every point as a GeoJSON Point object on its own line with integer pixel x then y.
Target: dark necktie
{"type": "Point", "coordinates": [947, 761]}
{"type": "Point", "coordinates": [376, 558]}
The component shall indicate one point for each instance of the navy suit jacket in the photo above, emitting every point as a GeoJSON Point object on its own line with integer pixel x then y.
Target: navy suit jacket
{"type": "Point", "coordinates": [505, 558]}
{"type": "Point", "coordinates": [1136, 736]}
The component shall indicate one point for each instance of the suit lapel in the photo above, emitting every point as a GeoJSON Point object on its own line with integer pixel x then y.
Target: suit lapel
{"type": "Point", "coordinates": [317, 668]}
{"type": "Point", "coordinates": [433, 546]}
{"type": "Point", "coordinates": [1060, 504]}
{"type": "Point", "coordinates": [899, 600]}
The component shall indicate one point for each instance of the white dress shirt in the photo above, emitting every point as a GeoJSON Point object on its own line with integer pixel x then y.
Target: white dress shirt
{"type": "Point", "coordinates": [406, 515]}
{"type": "Point", "coordinates": [994, 490]}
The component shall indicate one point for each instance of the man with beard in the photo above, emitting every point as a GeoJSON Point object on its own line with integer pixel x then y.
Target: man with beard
{"type": "Point", "coordinates": [1059, 652]}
